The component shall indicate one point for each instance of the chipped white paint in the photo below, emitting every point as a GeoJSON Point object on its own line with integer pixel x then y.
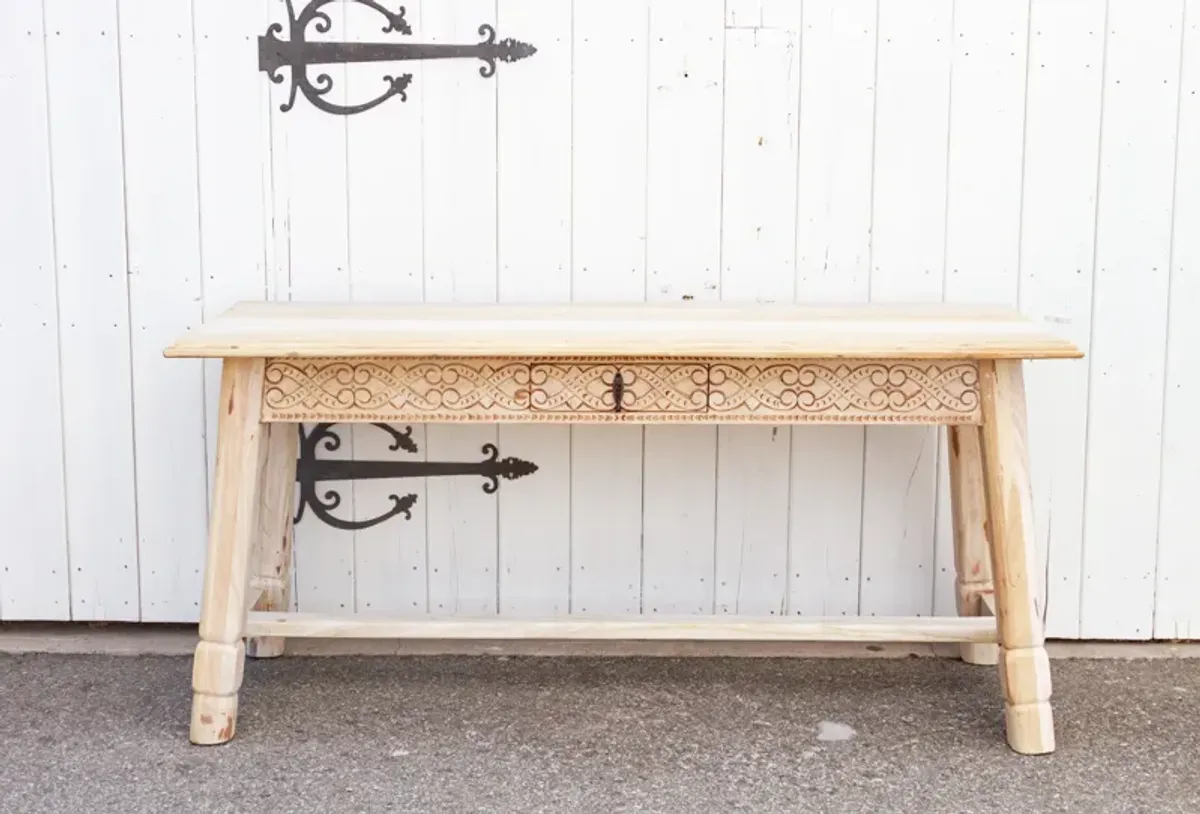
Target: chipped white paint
{"type": "Point", "coordinates": [1042, 153]}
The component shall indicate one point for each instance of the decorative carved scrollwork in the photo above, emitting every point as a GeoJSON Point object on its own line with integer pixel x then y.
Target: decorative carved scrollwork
{"type": "Point", "coordinates": [649, 389]}
{"type": "Point", "coordinates": [361, 388]}
{"type": "Point", "coordinates": [845, 388]}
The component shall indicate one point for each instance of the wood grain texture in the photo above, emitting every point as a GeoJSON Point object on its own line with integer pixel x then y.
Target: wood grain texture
{"type": "Point", "coordinates": [662, 329]}
{"type": "Point", "coordinates": [241, 459]}
{"type": "Point", "coordinates": [1024, 666]}
{"type": "Point", "coordinates": [652, 389]}
{"type": "Point", "coordinates": [972, 563]}
{"type": "Point", "coordinates": [666, 627]}
{"type": "Point", "coordinates": [271, 557]}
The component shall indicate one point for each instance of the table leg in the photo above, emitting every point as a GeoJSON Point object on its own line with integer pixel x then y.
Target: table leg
{"type": "Point", "coordinates": [272, 561]}
{"type": "Point", "coordinates": [973, 569]}
{"type": "Point", "coordinates": [220, 655]}
{"type": "Point", "coordinates": [1024, 665]}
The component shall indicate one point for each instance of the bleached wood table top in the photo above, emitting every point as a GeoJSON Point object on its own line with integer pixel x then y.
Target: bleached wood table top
{"type": "Point", "coordinates": [685, 329]}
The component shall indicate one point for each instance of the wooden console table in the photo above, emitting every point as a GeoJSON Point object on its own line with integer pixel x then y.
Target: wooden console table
{"type": "Point", "coordinates": [285, 363]}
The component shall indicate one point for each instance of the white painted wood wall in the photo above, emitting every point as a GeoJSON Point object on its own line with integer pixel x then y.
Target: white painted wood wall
{"type": "Point", "coordinates": [1045, 154]}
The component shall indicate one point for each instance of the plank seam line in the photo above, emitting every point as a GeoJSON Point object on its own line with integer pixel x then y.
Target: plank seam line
{"type": "Point", "coordinates": [348, 197]}
{"type": "Point", "coordinates": [137, 515]}
{"type": "Point", "coordinates": [862, 474]}
{"type": "Point", "coordinates": [58, 320]}
{"type": "Point", "coordinates": [1162, 418]}
{"type": "Point", "coordinates": [1087, 439]}
{"type": "Point", "coordinates": [645, 298]}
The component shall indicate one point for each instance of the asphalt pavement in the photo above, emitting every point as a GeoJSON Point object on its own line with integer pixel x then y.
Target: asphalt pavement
{"type": "Point", "coordinates": [101, 733]}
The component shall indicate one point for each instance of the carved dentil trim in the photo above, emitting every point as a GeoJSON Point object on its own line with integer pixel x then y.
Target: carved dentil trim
{"type": "Point", "coordinates": [654, 389]}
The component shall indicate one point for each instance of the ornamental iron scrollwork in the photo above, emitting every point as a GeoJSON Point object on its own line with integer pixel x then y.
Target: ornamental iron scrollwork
{"type": "Point", "coordinates": [299, 54]}
{"type": "Point", "coordinates": [311, 470]}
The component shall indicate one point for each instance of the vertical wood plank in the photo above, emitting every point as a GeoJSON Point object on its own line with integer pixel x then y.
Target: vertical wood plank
{"type": "Point", "coordinates": [683, 253]}
{"type": "Point", "coordinates": [898, 523]}
{"type": "Point", "coordinates": [833, 246]}
{"type": "Point", "coordinates": [1177, 602]}
{"type": "Point", "coordinates": [385, 224]}
{"type": "Point", "coordinates": [752, 521]}
{"type": "Point", "coordinates": [1132, 272]}
{"type": "Point", "coordinates": [165, 295]}
{"type": "Point", "coordinates": [758, 251]}
{"type": "Point", "coordinates": [836, 140]}
{"type": "Point", "coordinates": [1062, 131]}
{"type": "Point", "coordinates": [826, 509]}
{"type": "Point", "coordinates": [679, 520]}
{"type": "Point", "coordinates": [606, 520]}
{"type": "Point", "coordinates": [534, 211]}
{"type": "Point", "coordinates": [762, 99]}
{"type": "Point", "coordinates": [609, 120]}
{"type": "Point", "coordinates": [83, 73]}
{"type": "Point", "coordinates": [390, 564]}
{"type": "Point", "coordinates": [983, 190]}
{"type": "Point", "coordinates": [609, 132]}
{"type": "Point", "coordinates": [233, 172]}
{"type": "Point", "coordinates": [460, 265]}
{"type": "Point", "coordinates": [684, 179]}
{"type": "Point", "coordinates": [34, 582]}
{"type": "Point", "coordinates": [911, 125]}
{"type": "Point", "coordinates": [310, 182]}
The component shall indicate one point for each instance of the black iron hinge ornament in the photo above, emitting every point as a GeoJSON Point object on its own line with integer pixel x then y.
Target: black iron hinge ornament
{"type": "Point", "coordinates": [311, 470]}
{"type": "Point", "coordinates": [299, 54]}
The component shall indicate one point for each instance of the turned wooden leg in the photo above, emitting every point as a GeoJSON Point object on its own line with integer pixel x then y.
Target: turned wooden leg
{"type": "Point", "coordinates": [972, 566]}
{"type": "Point", "coordinates": [271, 562]}
{"type": "Point", "coordinates": [1024, 665]}
{"type": "Point", "coordinates": [220, 655]}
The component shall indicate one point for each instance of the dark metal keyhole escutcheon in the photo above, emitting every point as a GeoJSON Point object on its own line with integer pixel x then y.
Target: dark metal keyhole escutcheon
{"type": "Point", "coordinates": [618, 389]}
